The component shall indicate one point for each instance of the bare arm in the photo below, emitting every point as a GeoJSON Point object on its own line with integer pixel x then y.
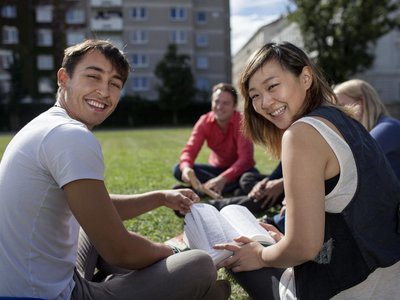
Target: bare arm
{"type": "Point", "coordinates": [90, 203]}
{"type": "Point", "coordinates": [307, 161]}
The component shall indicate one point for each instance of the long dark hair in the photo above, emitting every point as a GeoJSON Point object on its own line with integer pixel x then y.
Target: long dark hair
{"type": "Point", "coordinates": [292, 59]}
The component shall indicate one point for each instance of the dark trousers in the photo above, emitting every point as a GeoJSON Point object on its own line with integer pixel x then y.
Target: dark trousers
{"type": "Point", "coordinates": [205, 172]}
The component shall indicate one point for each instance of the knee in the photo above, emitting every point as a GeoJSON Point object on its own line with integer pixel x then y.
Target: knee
{"type": "Point", "coordinates": [176, 171]}
{"type": "Point", "coordinates": [200, 265]}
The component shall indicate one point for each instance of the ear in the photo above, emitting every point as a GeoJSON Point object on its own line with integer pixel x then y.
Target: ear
{"type": "Point", "coordinates": [62, 77]}
{"type": "Point", "coordinates": [307, 77]}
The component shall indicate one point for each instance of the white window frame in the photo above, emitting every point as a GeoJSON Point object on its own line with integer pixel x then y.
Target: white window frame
{"type": "Point", "coordinates": [139, 37]}
{"type": "Point", "coordinates": [44, 14]}
{"type": "Point", "coordinates": [6, 59]}
{"type": "Point", "coordinates": [201, 21]}
{"type": "Point", "coordinates": [75, 16]}
{"type": "Point", "coordinates": [45, 62]}
{"type": "Point", "coordinates": [201, 39]}
{"type": "Point", "coordinates": [138, 13]}
{"type": "Point", "coordinates": [179, 37]}
{"type": "Point", "coordinates": [10, 35]}
{"type": "Point", "coordinates": [45, 85]}
{"type": "Point", "coordinates": [177, 13]}
{"type": "Point", "coordinates": [140, 60]}
{"type": "Point", "coordinates": [44, 37]}
{"type": "Point", "coordinates": [202, 62]}
{"type": "Point", "coordinates": [74, 38]}
{"type": "Point", "coordinates": [141, 84]}
{"type": "Point", "coordinates": [9, 11]}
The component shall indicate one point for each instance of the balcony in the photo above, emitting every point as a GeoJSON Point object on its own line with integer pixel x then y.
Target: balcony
{"type": "Point", "coordinates": [106, 3]}
{"type": "Point", "coordinates": [106, 24]}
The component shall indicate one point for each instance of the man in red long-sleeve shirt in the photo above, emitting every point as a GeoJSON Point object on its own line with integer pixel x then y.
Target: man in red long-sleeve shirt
{"type": "Point", "coordinates": [231, 153]}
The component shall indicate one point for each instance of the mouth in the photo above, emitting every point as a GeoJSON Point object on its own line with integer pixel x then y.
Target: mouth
{"type": "Point", "coordinates": [278, 111]}
{"type": "Point", "coordinates": [96, 104]}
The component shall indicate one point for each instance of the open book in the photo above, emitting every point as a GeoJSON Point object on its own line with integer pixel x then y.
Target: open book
{"type": "Point", "coordinates": [205, 226]}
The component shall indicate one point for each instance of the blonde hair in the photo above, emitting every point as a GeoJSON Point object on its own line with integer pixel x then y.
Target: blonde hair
{"type": "Point", "coordinates": [292, 59]}
{"type": "Point", "coordinates": [372, 106]}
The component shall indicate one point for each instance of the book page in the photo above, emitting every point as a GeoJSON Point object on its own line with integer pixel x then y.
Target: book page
{"type": "Point", "coordinates": [246, 223]}
{"type": "Point", "coordinates": [205, 227]}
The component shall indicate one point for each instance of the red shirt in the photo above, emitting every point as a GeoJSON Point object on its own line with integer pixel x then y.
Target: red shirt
{"type": "Point", "coordinates": [229, 150]}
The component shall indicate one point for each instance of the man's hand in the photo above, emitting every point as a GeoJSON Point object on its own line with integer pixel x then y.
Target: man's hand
{"type": "Point", "coordinates": [187, 175]}
{"type": "Point", "coordinates": [180, 200]}
{"type": "Point", "coordinates": [267, 192]}
{"type": "Point", "coordinates": [216, 184]}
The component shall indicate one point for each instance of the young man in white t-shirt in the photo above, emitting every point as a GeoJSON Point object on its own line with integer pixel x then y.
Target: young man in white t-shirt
{"type": "Point", "coordinates": [52, 184]}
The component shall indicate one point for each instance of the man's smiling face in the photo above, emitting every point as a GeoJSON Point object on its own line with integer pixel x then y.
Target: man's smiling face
{"type": "Point", "coordinates": [92, 91]}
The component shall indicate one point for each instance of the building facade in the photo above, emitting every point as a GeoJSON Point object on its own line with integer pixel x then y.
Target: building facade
{"type": "Point", "coordinates": [34, 34]}
{"type": "Point", "coordinates": [384, 74]}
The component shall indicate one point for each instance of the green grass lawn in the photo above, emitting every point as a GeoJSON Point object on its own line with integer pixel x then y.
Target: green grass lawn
{"type": "Point", "coordinates": [141, 160]}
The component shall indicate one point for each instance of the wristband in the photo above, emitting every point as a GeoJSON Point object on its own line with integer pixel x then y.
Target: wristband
{"type": "Point", "coordinates": [174, 249]}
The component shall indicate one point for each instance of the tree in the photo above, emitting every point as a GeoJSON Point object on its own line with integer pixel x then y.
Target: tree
{"type": "Point", "coordinates": [177, 89]}
{"type": "Point", "coordinates": [342, 33]}
{"type": "Point", "coordinates": [17, 92]}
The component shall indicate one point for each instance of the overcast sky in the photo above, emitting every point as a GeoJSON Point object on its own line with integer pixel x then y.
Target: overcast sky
{"type": "Point", "coordinates": [247, 16]}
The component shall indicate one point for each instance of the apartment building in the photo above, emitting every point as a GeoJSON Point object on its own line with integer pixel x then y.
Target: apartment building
{"type": "Point", "coordinates": [35, 32]}
{"type": "Point", "coordinates": [384, 74]}
{"type": "Point", "coordinates": [31, 46]}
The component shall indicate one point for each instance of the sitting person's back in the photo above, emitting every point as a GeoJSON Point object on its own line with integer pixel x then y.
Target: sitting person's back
{"type": "Point", "coordinates": [372, 113]}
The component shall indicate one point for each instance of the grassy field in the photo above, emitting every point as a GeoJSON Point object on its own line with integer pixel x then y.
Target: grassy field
{"type": "Point", "coordinates": [141, 160]}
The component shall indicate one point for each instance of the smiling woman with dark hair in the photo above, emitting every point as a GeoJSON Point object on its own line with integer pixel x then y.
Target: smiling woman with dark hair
{"type": "Point", "coordinates": [342, 234]}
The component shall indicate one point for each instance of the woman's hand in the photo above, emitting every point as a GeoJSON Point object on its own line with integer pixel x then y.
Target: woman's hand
{"type": "Point", "coordinates": [273, 231]}
{"type": "Point", "coordinates": [246, 255]}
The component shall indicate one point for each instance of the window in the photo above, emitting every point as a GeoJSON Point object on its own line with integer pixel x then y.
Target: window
{"type": "Point", "coordinates": [179, 37]}
{"type": "Point", "coordinates": [177, 13]}
{"type": "Point", "coordinates": [139, 13]}
{"type": "Point", "coordinates": [201, 17]}
{"type": "Point", "coordinates": [75, 16]}
{"type": "Point", "coordinates": [75, 38]}
{"type": "Point", "coordinates": [202, 62]}
{"type": "Point", "coordinates": [140, 60]}
{"type": "Point", "coordinates": [141, 83]}
{"type": "Point", "coordinates": [10, 35]}
{"type": "Point", "coordinates": [44, 14]}
{"type": "Point", "coordinates": [201, 39]}
{"type": "Point", "coordinates": [9, 11]}
{"type": "Point", "coordinates": [6, 59]}
{"type": "Point", "coordinates": [139, 37]}
{"type": "Point", "coordinates": [203, 84]}
{"type": "Point", "coordinates": [44, 37]}
{"type": "Point", "coordinates": [45, 85]}
{"type": "Point", "coordinates": [45, 62]}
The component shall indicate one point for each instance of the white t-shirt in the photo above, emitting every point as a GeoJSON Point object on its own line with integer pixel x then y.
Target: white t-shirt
{"type": "Point", "coordinates": [38, 233]}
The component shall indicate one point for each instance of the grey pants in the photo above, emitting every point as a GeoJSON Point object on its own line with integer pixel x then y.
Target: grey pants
{"type": "Point", "coordinates": [186, 275]}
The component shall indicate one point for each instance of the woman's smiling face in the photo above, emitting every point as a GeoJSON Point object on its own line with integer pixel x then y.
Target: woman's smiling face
{"type": "Point", "coordinates": [277, 94]}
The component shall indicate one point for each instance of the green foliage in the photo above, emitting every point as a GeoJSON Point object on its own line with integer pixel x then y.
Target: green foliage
{"type": "Point", "coordinates": [342, 32]}
{"type": "Point", "coordinates": [177, 82]}
{"type": "Point", "coordinates": [138, 161]}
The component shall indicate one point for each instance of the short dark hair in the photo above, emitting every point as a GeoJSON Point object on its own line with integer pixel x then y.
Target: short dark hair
{"type": "Point", "coordinates": [74, 54]}
{"type": "Point", "coordinates": [226, 87]}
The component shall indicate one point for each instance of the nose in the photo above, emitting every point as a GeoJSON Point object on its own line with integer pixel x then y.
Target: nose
{"type": "Point", "coordinates": [103, 92]}
{"type": "Point", "coordinates": [266, 101]}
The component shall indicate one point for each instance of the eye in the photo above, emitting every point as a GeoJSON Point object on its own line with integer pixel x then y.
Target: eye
{"type": "Point", "coordinates": [116, 84]}
{"type": "Point", "coordinates": [92, 76]}
{"type": "Point", "coordinates": [253, 97]}
{"type": "Point", "coordinates": [272, 86]}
